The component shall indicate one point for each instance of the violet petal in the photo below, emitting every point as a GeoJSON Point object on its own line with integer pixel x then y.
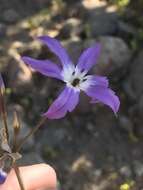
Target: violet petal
{"type": "Point", "coordinates": [88, 58]}
{"type": "Point", "coordinates": [45, 67]}
{"type": "Point", "coordinates": [97, 80]}
{"type": "Point", "coordinates": [66, 101]}
{"type": "Point", "coordinates": [56, 47]}
{"type": "Point", "coordinates": [93, 81]}
{"type": "Point", "coordinates": [104, 95]}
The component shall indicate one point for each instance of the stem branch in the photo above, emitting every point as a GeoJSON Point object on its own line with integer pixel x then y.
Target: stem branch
{"type": "Point", "coordinates": [33, 130]}
{"type": "Point", "coordinates": [4, 113]}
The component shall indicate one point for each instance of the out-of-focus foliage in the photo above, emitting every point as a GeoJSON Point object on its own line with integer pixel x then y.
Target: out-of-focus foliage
{"type": "Point", "coordinates": [127, 186]}
{"type": "Point", "coordinates": [120, 3]}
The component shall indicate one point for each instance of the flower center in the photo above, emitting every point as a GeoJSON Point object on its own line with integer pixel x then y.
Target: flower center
{"type": "Point", "coordinates": [75, 82]}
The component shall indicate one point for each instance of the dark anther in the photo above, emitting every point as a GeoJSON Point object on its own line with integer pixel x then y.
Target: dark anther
{"type": "Point", "coordinates": [73, 73]}
{"type": "Point", "coordinates": [84, 80]}
{"type": "Point", "coordinates": [75, 82]}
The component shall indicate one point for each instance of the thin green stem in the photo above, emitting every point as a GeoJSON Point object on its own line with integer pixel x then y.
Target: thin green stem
{"type": "Point", "coordinates": [31, 133]}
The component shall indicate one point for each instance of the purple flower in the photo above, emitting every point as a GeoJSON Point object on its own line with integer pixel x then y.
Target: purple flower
{"type": "Point", "coordinates": [3, 176]}
{"type": "Point", "coordinates": [75, 79]}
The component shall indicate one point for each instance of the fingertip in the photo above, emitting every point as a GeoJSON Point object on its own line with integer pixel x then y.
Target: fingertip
{"type": "Point", "coordinates": [34, 177]}
{"type": "Point", "coordinates": [53, 176]}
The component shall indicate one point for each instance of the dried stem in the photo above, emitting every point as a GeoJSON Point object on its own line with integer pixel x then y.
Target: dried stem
{"type": "Point", "coordinates": [3, 113]}
{"type": "Point", "coordinates": [15, 143]}
{"type": "Point", "coordinates": [31, 133]}
{"type": "Point", "coordinates": [6, 133]}
{"type": "Point", "coordinates": [17, 171]}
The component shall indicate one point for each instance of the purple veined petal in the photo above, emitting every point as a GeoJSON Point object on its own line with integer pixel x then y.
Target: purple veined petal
{"type": "Point", "coordinates": [104, 95]}
{"type": "Point", "coordinates": [55, 46]}
{"type": "Point", "coordinates": [66, 101]}
{"type": "Point", "coordinates": [73, 100]}
{"type": "Point", "coordinates": [88, 58]}
{"type": "Point", "coordinates": [97, 80]}
{"type": "Point", "coordinates": [93, 81]}
{"type": "Point", "coordinates": [45, 67]}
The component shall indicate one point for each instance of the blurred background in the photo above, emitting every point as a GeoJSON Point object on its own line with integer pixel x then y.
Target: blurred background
{"type": "Point", "coordinates": [90, 148]}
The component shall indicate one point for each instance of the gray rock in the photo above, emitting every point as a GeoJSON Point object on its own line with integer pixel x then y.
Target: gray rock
{"type": "Point", "coordinates": [84, 105]}
{"type": "Point", "coordinates": [128, 89]}
{"type": "Point", "coordinates": [31, 158]}
{"type": "Point", "coordinates": [72, 27]}
{"type": "Point", "coordinates": [115, 56]}
{"type": "Point", "coordinates": [138, 130]}
{"type": "Point", "coordinates": [74, 47]}
{"type": "Point", "coordinates": [2, 30]}
{"type": "Point", "coordinates": [138, 168]}
{"type": "Point", "coordinates": [97, 173]}
{"type": "Point", "coordinates": [19, 73]}
{"type": "Point", "coordinates": [126, 171]}
{"type": "Point", "coordinates": [56, 133]}
{"type": "Point", "coordinates": [30, 143]}
{"type": "Point", "coordinates": [10, 16]}
{"type": "Point", "coordinates": [125, 123]}
{"type": "Point", "coordinates": [126, 28]}
{"type": "Point", "coordinates": [140, 105]}
{"type": "Point", "coordinates": [135, 78]}
{"type": "Point", "coordinates": [99, 22]}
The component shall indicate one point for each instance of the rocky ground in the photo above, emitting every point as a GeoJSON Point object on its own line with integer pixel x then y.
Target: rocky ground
{"type": "Point", "coordinates": [90, 148]}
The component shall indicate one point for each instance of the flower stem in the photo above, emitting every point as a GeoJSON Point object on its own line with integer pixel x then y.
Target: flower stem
{"type": "Point", "coordinates": [4, 113]}
{"type": "Point", "coordinates": [17, 171]}
{"type": "Point", "coordinates": [42, 121]}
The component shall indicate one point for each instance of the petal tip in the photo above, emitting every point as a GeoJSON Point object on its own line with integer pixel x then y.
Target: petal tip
{"type": "Point", "coordinates": [43, 38]}
{"type": "Point", "coordinates": [24, 58]}
{"type": "Point", "coordinates": [116, 106]}
{"type": "Point", "coordinates": [98, 47]}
